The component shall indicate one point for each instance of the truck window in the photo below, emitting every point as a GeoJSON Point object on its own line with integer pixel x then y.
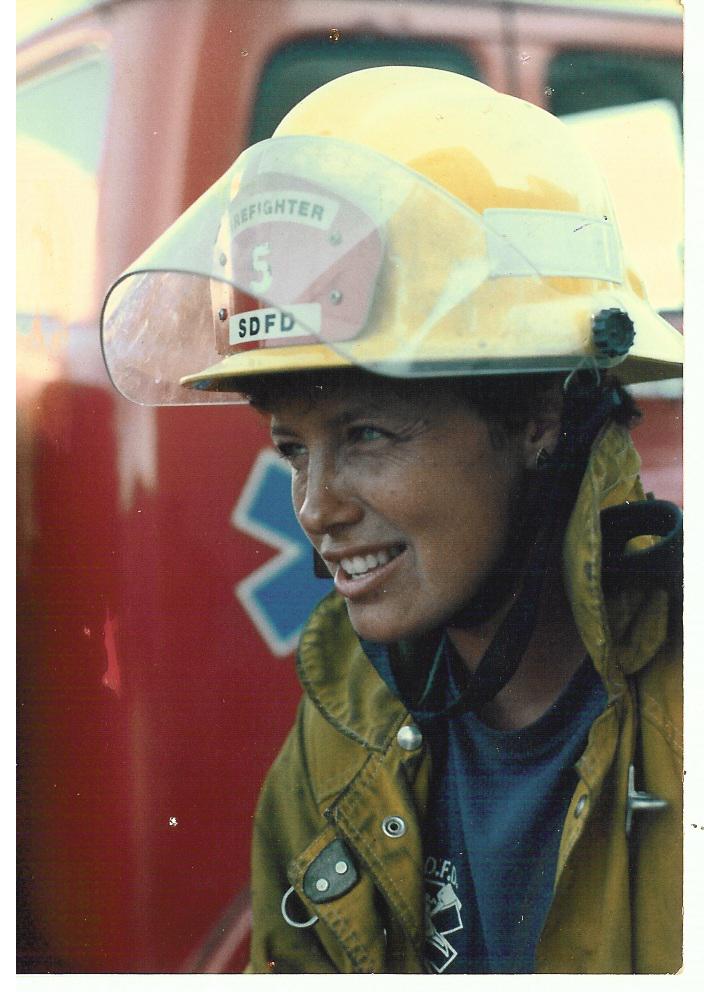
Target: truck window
{"type": "Point", "coordinates": [624, 106]}
{"type": "Point", "coordinates": [60, 127]}
{"type": "Point", "coordinates": [583, 80]}
{"type": "Point", "coordinates": [298, 68]}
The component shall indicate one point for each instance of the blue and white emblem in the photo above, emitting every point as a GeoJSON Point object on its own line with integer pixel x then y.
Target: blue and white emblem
{"type": "Point", "coordinates": [280, 595]}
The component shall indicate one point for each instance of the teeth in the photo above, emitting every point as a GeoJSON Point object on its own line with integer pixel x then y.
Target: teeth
{"type": "Point", "coordinates": [361, 564]}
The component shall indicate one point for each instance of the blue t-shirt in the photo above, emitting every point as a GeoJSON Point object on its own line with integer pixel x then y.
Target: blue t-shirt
{"type": "Point", "coordinates": [498, 799]}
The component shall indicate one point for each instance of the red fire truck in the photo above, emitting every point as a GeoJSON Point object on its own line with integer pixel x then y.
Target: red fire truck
{"type": "Point", "coordinates": [162, 580]}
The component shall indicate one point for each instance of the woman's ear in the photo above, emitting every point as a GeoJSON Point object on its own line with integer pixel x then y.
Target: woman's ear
{"type": "Point", "coordinates": [542, 432]}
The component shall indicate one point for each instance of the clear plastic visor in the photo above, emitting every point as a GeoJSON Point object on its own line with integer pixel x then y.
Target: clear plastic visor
{"type": "Point", "coordinates": [310, 241]}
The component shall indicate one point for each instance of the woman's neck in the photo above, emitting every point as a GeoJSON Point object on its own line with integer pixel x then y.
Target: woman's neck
{"type": "Point", "coordinates": [554, 654]}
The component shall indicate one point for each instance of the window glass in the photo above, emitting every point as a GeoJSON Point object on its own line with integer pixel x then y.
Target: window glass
{"type": "Point", "coordinates": [36, 15]}
{"type": "Point", "coordinates": [588, 80]}
{"type": "Point", "coordinates": [60, 129]}
{"type": "Point", "coordinates": [627, 111]}
{"type": "Point", "coordinates": [299, 68]}
{"type": "Point", "coordinates": [65, 109]}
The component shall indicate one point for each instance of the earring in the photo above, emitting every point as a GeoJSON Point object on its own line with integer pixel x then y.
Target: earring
{"type": "Point", "coordinates": [541, 459]}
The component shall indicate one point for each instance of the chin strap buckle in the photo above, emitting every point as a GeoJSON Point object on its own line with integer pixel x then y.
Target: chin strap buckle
{"type": "Point", "coordinates": [640, 802]}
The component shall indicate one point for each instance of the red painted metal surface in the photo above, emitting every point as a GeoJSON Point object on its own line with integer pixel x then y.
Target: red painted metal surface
{"type": "Point", "coordinates": [658, 438]}
{"type": "Point", "coordinates": [149, 705]}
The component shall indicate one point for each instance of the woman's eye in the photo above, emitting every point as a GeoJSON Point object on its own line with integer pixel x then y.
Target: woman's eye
{"type": "Point", "coordinates": [289, 450]}
{"type": "Point", "coordinates": [367, 432]}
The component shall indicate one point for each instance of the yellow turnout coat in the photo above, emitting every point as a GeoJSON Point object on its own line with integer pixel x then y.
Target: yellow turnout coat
{"type": "Point", "coordinates": [617, 901]}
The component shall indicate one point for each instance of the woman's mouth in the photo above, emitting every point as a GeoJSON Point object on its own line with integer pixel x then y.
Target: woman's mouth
{"type": "Point", "coordinates": [363, 564]}
{"type": "Point", "coordinates": [359, 573]}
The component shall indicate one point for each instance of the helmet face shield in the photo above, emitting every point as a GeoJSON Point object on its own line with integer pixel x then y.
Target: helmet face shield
{"type": "Point", "coordinates": [315, 252]}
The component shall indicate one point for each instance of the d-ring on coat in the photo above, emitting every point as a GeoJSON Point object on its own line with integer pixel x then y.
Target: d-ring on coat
{"type": "Point", "coordinates": [617, 904]}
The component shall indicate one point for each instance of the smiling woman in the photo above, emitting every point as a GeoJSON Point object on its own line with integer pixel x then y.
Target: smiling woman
{"type": "Point", "coordinates": [420, 485]}
{"type": "Point", "coordinates": [493, 688]}
{"type": "Point", "coordinates": [422, 498]}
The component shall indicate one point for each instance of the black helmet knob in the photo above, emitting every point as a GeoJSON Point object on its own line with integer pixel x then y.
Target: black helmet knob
{"type": "Point", "coordinates": [613, 333]}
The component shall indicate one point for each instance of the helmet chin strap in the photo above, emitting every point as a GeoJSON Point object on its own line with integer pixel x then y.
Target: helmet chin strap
{"type": "Point", "coordinates": [521, 571]}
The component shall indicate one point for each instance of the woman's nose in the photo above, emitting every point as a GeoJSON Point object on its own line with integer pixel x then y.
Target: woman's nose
{"type": "Point", "coordinates": [327, 500]}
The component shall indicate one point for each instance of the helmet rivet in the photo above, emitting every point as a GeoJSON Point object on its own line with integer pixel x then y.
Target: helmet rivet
{"type": "Point", "coordinates": [223, 258]}
{"type": "Point", "coordinates": [336, 296]}
{"type": "Point", "coordinates": [613, 333]}
{"type": "Point", "coordinates": [222, 313]}
{"type": "Point", "coordinates": [335, 238]}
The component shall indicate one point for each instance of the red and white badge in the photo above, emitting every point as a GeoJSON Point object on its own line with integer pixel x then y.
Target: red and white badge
{"type": "Point", "coordinates": [311, 258]}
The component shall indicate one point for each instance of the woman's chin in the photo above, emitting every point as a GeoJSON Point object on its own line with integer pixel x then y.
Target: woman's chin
{"type": "Point", "coordinates": [383, 626]}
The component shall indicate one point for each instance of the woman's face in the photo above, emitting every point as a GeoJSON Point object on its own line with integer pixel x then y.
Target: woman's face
{"type": "Point", "coordinates": [407, 500]}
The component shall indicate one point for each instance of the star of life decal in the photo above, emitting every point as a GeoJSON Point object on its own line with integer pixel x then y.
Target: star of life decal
{"type": "Point", "coordinates": [443, 914]}
{"type": "Point", "coordinates": [280, 595]}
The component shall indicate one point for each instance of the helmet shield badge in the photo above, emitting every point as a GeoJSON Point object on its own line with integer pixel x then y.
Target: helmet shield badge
{"type": "Point", "coordinates": [316, 246]}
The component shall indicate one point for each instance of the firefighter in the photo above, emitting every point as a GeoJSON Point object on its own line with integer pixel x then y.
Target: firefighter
{"type": "Point", "coordinates": [420, 283]}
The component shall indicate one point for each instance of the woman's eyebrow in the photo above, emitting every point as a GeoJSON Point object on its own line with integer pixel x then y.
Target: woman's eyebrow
{"type": "Point", "coordinates": [277, 430]}
{"type": "Point", "coordinates": [347, 416]}
{"type": "Point", "coordinates": [367, 408]}
{"type": "Point", "coordinates": [341, 419]}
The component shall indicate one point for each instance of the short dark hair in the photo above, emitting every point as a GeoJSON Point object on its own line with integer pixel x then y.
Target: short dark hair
{"type": "Point", "coordinates": [505, 402]}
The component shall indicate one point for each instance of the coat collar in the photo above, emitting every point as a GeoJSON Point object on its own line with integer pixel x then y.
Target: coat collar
{"type": "Point", "coordinates": [623, 634]}
{"type": "Point", "coordinates": [340, 680]}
